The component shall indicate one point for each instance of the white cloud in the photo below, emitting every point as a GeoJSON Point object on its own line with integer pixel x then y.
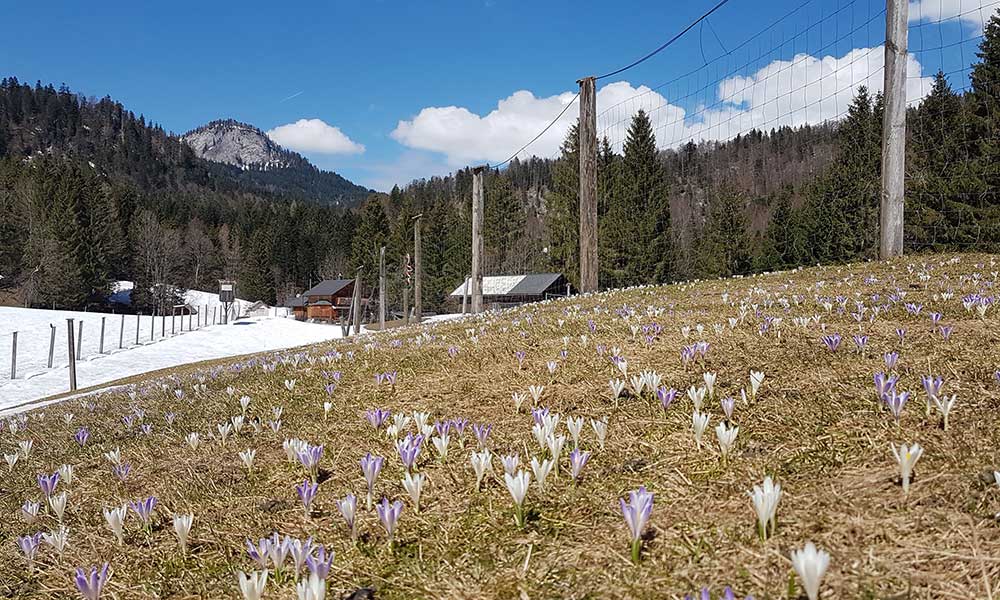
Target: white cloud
{"type": "Point", "coordinates": [314, 135]}
{"type": "Point", "coordinates": [804, 89]}
{"type": "Point", "coordinates": [970, 12]}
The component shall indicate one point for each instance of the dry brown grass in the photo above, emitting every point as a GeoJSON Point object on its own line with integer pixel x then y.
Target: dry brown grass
{"type": "Point", "coordinates": [815, 428]}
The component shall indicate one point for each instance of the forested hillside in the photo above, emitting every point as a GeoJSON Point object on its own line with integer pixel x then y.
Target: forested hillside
{"type": "Point", "coordinates": [89, 193]}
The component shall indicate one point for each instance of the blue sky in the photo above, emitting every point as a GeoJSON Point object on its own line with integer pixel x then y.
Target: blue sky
{"type": "Point", "coordinates": [362, 67]}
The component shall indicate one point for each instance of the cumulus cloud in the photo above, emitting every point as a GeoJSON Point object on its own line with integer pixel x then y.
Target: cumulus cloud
{"type": "Point", "coordinates": [804, 89]}
{"type": "Point", "coordinates": [971, 12]}
{"type": "Point", "coordinates": [314, 135]}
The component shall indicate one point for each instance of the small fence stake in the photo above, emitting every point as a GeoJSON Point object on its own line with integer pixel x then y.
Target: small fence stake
{"type": "Point", "coordinates": [13, 359]}
{"type": "Point", "coordinates": [52, 343]}
{"type": "Point", "coordinates": [72, 355]}
{"type": "Point", "coordinates": [79, 340]}
{"type": "Point", "coordinates": [101, 351]}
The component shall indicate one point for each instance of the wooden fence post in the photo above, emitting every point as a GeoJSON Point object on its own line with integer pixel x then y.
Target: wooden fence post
{"type": "Point", "coordinates": [588, 185]}
{"type": "Point", "coordinates": [357, 302]}
{"type": "Point", "coordinates": [72, 354]}
{"type": "Point", "coordinates": [381, 289]}
{"type": "Point", "coordinates": [477, 238]}
{"type": "Point", "coordinates": [101, 349]}
{"type": "Point", "coordinates": [121, 334]}
{"type": "Point", "coordinates": [894, 130]}
{"type": "Point", "coordinates": [13, 358]}
{"type": "Point", "coordinates": [418, 303]}
{"type": "Point", "coordinates": [79, 340]}
{"type": "Point", "coordinates": [52, 343]}
{"type": "Point", "coordinates": [138, 323]}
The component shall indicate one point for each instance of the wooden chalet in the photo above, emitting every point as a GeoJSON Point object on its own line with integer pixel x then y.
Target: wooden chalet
{"type": "Point", "coordinates": [326, 301]}
{"type": "Point", "coordinates": [502, 291]}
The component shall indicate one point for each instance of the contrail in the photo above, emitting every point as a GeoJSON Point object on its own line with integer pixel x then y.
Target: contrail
{"type": "Point", "coordinates": [295, 95]}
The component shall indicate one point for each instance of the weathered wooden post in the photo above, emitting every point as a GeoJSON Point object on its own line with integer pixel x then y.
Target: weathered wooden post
{"type": "Point", "coordinates": [381, 289]}
{"type": "Point", "coordinates": [72, 354]}
{"type": "Point", "coordinates": [357, 302]}
{"type": "Point", "coordinates": [101, 347]}
{"type": "Point", "coordinates": [173, 322]}
{"type": "Point", "coordinates": [588, 185]}
{"type": "Point", "coordinates": [138, 323]}
{"type": "Point", "coordinates": [894, 130]}
{"type": "Point", "coordinates": [213, 313]}
{"type": "Point", "coordinates": [418, 301]}
{"type": "Point", "coordinates": [163, 326]}
{"type": "Point", "coordinates": [477, 239]}
{"type": "Point", "coordinates": [121, 334]}
{"type": "Point", "coordinates": [52, 343]}
{"type": "Point", "coordinates": [465, 293]}
{"type": "Point", "coordinates": [79, 340]}
{"type": "Point", "coordinates": [13, 358]}
{"type": "Point", "coordinates": [152, 325]}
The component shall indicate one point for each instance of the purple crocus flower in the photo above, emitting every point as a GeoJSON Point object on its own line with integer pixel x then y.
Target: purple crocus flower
{"type": "Point", "coordinates": [884, 384]}
{"type": "Point", "coordinates": [370, 467]}
{"type": "Point", "coordinates": [832, 342]}
{"type": "Point", "coordinates": [935, 317]}
{"type": "Point", "coordinates": [577, 460]}
{"type": "Point", "coordinates": [896, 402]}
{"type": "Point", "coordinates": [482, 433]}
{"type": "Point", "coordinates": [330, 387]}
{"type": "Point", "coordinates": [91, 585]}
{"type": "Point", "coordinates": [258, 552]}
{"type": "Point", "coordinates": [901, 334]}
{"type": "Point", "coordinates": [861, 341]}
{"type": "Point", "coordinates": [144, 508]}
{"type": "Point", "coordinates": [666, 396]}
{"type": "Point", "coordinates": [932, 386]}
{"type": "Point", "coordinates": [349, 510]}
{"type": "Point", "coordinates": [320, 563]}
{"type": "Point", "coordinates": [946, 332]}
{"type": "Point", "coordinates": [458, 425]}
{"type": "Point", "coordinates": [520, 355]}
{"type": "Point", "coordinates": [636, 513]}
{"type": "Point", "coordinates": [310, 458]}
{"type": "Point", "coordinates": [29, 545]}
{"type": "Point", "coordinates": [389, 514]}
{"type": "Point", "coordinates": [442, 427]}
{"type": "Point", "coordinates": [122, 471]}
{"type": "Point", "coordinates": [728, 404]}
{"type": "Point", "coordinates": [376, 417]}
{"type": "Point", "coordinates": [539, 414]}
{"type": "Point", "coordinates": [409, 450]}
{"type": "Point", "coordinates": [891, 358]}
{"type": "Point", "coordinates": [48, 483]}
{"type": "Point", "coordinates": [81, 436]}
{"type": "Point", "coordinates": [307, 493]}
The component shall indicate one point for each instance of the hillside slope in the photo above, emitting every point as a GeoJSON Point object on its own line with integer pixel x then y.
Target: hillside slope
{"type": "Point", "coordinates": [816, 425]}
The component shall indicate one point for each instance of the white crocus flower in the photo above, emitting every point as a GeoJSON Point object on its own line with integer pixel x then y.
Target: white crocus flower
{"type": "Point", "coordinates": [944, 406]}
{"type": "Point", "coordinates": [414, 484]}
{"type": "Point", "coordinates": [58, 538]}
{"type": "Point", "coordinates": [518, 399]}
{"type": "Point", "coordinates": [541, 469]}
{"type": "Point", "coordinates": [311, 588]}
{"type": "Point", "coordinates": [727, 438]}
{"type": "Point", "coordinates": [756, 378]}
{"type": "Point", "coordinates": [697, 396]}
{"type": "Point", "coordinates": [810, 564]}
{"type": "Point", "coordinates": [66, 474]}
{"type": "Point", "coordinates": [517, 485]}
{"type": "Point", "coordinates": [237, 422]}
{"type": "Point", "coordinates": [193, 440]}
{"type": "Point", "coordinates": [57, 503]}
{"type": "Point", "coordinates": [600, 430]}
{"type": "Point", "coordinates": [575, 426]}
{"type": "Point", "coordinates": [765, 500]}
{"type": "Point", "coordinates": [115, 518]}
{"type": "Point", "coordinates": [327, 407]}
{"type": "Point", "coordinates": [536, 392]}
{"type": "Point", "coordinates": [555, 444]}
{"type": "Point", "coordinates": [481, 462]}
{"type": "Point", "coordinates": [252, 586]}
{"type": "Point", "coordinates": [114, 456]}
{"type": "Point", "coordinates": [244, 403]}
{"type": "Point", "coordinates": [182, 527]}
{"type": "Point", "coordinates": [11, 460]}
{"type": "Point", "coordinates": [247, 456]}
{"type": "Point", "coordinates": [224, 430]}
{"type": "Point", "coordinates": [907, 458]}
{"type": "Point", "coordinates": [710, 384]}
{"type": "Point", "coordinates": [699, 423]}
{"type": "Point", "coordinates": [617, 388]}
{"type": "Point", "coordinates": [441, 445]}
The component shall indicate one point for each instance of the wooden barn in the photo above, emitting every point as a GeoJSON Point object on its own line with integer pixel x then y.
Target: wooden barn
{"type": "Point", "coordinates": [326, 301]}
{"type": "Point", "coordinates": [502, 291]}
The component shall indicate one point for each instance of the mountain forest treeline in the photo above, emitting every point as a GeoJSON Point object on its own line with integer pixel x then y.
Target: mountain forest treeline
{"type": "Point", "coordinates": [91, 194]}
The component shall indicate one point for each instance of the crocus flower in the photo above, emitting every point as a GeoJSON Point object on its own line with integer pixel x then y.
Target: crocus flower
{"type": "Point", "coordinates": [756, 378]}
{"type": "Point", "coordinates": [907, 458]}
{"type": "Point", "coordinates": [376, 417]}
{"type": "Point", "coordinates": [699, 423]}
{"type": "Point", "coordinates": [896, 402]}
{"type": "Point", "coordinates": [575, 426]}
{"type": "Point", "coordinates": [884, 384]}
{"type": "Point", "coordinates": [482, 433]}
{"type": "Point", "coordinates": [252, 586]}
{"type": "Point", "coordinates": [765, 500]}
{"type": "Point", "coordinates": [636, 513]}
{"type": "Point", "coordinates": [891, 358]}
{"type": "Point", "coordinates": [58, 539]}
{"type": "Point", "coordinates": [11, 461]}
{"type": "Point", "coordinates": [517, 485]}
{"type": "Point", "coordinates": [182, 527]}
{"type": "Point", "coordinates": [727, 404]}
{"type": "Point", "coordinates": [832, 342]}
{"type": "Point", "coordinates": [510, 463]}
{"type": "Point", "coordinates": [57, 502]}
{"type": "Point", "coordinates": [932, 388]}
{"type": "Point", "coordinates": [299, 550]}
{"type": "Point", "coordinates": [319, 564]}
{"type": "Point", "coordinates": [727, 438]}
{"type": "Point", "coordinates": [311, 588]}
{"type": "Point", "coordinates": [144, 508]}
{"type": "Point", "coordinates": [577, 460]}
{"type": "Point", "coordinates": [441, 445]}
{"type": "Point", "coordinates": [409, 449]}
{"type": "Point", "coordinates": [307, 493]}
{"type": "Point", "coordinates": [810, 564]}
{"type": "Point", "coordinates": [310, 457]}
{"type": "Point", "coordinates": [90, 585]}
{"type": "Point", "coordinates": [247, 456]}
{"type": "Point", "coordinates": [348, 506]}
{"type": "Point", "coordinates": [665, 396]}
{"type": "Point", "coordinates": [115, 518]}
{"type": "Point", "coordinates": [600, 430]}
{"type": "Point", "coordinates": [28, 545]}
{"type": "Point", "coordinates": [121, 471]}
{"type": "Point", "coordinates": [414, 485]}
{"type": "Point", "coordinates": [48, 483]}
{"type": "Point", "coordinates": [944, 406]}
{"type": "Point", "coordinates": [389, 514]}
{"type": "Point", "coordinates": [370, 467]}
{"type": "Point", "coordinates": [481, 464]}
{"type": "Point", "coordinates": [258, 552]}
{"type": "Point", "coordinates": [81, 436]}
{"type": "Point", "coordinates": [541, 469]}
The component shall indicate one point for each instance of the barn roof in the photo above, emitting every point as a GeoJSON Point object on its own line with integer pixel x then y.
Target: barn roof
{"type": "Point", "coordinates": [293, 302]}
{"type": "Point", "coordinates": [533, 284]}
{"type": "Point", "coordinates": [328, 287]}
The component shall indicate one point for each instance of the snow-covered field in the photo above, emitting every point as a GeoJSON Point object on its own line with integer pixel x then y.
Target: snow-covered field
{"type": "Point", "coordinates": [35, 380]}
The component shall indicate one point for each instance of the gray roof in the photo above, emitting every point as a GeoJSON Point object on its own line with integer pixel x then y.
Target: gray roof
{"type": "Point", "coordinates": [534, 284]}
{"type": "Point", "coordinates": [293, 302]}
{"type": "Point", "coordinates": [328, 287]}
